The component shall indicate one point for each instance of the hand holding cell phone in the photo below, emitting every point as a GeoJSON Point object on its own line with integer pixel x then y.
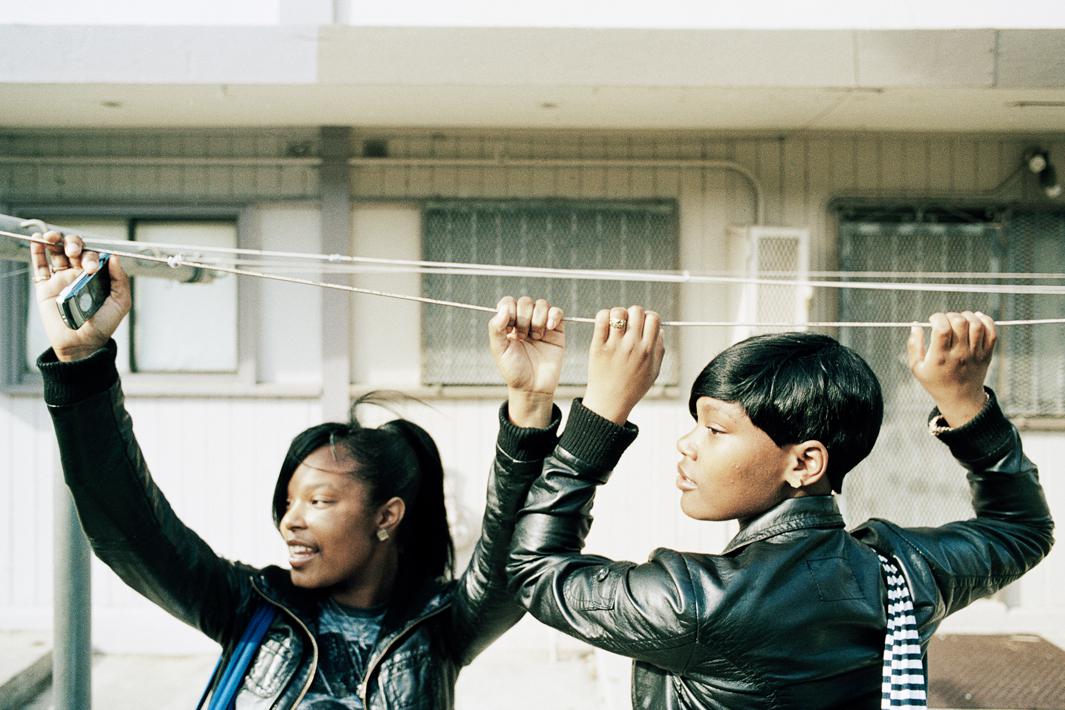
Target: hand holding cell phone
{"type": "Point", "coordinates": [79, 301]}
{"type": "Point", "coordinates": [82, 296]}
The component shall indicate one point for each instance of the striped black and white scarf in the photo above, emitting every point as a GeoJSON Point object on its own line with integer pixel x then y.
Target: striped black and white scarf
{"type": "Point", "coordinates": [904, 681]}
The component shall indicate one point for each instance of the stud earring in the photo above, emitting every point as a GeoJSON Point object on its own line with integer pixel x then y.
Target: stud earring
{"type": "Point", "coordinates": [382, 534]}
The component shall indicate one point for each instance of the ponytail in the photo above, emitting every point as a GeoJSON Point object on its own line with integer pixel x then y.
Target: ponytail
{"type": "Point", "coordinates": [424, 535]}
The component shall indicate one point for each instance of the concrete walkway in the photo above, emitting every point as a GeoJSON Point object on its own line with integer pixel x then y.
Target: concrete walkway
{"type": "Point", "coordinates": [499, 678]}
{"type": "Point", "coordinates": [25, 666]}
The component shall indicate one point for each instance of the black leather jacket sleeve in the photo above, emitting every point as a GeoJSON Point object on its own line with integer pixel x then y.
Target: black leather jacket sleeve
{"type": "Point", "coordinates": [482, 607]}
{"type": "Point", "coordinates": [128, 521]}
{"type": "Point", "coordinates": [642, 611]}
{"type": "Point", "coordinates": [1012, 529]}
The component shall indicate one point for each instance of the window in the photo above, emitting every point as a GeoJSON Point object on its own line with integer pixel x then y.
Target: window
{"type": "Point", "coordinates": [556, 234]}
{"type": "Point", "coordinates": [174, 327]}
{"type": "Point", "coordinates": [185, 327]}
{"type": "Point", "coordinates": [1028, 372]}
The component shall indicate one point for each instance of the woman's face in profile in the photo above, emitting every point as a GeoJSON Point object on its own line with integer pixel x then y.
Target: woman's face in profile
{"type": "Point", "coordinates": [328, 526]}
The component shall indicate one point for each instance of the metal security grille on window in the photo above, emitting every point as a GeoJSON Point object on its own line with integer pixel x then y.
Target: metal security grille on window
{"type": "Point", "coordinates": [1034, 357]}
{"type": "Point", "coordinates": [910, 478]}
{"type": "Point", "coordinates": [553, 234]}
{"type": "Point", "coordinates": [777, 303]}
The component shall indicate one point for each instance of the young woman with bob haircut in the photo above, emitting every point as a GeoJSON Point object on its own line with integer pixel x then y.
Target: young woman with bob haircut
{"type": "Point", "coordinates": [796, 612]}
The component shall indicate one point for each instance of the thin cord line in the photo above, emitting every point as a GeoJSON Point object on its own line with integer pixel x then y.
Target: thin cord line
{"type": "Point", "coordinates": [370, 268]}
{"type": "Point", "coordinates": [643, 277]}
{"type": "Point", "coordinates": [483, 270]}
{"type": "Point", "coordinates": [612, 275]}
{"type": "Point", "coordinates": [177, 260]}
{"type": "Point", "coordinates": [335, 259]}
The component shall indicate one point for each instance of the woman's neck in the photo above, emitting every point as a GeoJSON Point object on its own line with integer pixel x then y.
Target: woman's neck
{"type": "Point", "coordinates": [374, 586]}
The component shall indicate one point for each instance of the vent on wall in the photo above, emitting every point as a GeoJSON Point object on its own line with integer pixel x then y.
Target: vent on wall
{"type": "Point", "coordinates": [769, 253]}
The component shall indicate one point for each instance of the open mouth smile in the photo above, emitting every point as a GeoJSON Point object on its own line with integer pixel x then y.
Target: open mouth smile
{"type": "Point", "coordinates": [299, 554]}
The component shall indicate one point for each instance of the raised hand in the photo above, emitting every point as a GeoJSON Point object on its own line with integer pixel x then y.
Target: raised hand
{"type": "Point", "coordinates": [56, 266]}
{"type": "Point", "coordinates": [623, 361]}
{"type": "Point", "coordinates": [953, 367]}
{"type": "Point", "coordinates": [527, 339]}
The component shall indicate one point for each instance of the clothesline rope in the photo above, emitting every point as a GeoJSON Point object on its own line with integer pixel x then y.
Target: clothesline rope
{"type": "Point", "coordinates": [345, 258]}
{"type": "Point", "coordinates": [421, 266]}
{"type": "Point", "coordinates": [176, 260]}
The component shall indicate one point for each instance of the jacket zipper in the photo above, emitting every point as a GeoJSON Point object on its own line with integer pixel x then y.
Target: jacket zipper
{"type": "Point", "coordinates": [314, 644]}
{"type": "Point", "coordinates": [364, 687]}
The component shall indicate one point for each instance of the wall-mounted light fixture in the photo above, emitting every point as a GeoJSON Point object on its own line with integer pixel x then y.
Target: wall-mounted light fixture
{"type": "Point", "coordinates": [1038, 162]}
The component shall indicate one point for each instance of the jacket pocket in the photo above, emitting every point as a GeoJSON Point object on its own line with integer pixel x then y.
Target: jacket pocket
{"type": "Point", "coordinates": [597, 592]}
{"type": "Point", "coordinates": [407, 679]}
{"type": "Point", "coordinates": [275, 662]}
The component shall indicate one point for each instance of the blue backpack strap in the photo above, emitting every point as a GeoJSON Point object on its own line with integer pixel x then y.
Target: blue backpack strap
{"type": "Point", "coordinates": [210, 681]}
{"type": "Point", "coordinates": [229, 683]}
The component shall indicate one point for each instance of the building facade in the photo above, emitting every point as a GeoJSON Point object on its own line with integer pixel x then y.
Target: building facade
{"type": "Point", "coordinates": [757, 154]}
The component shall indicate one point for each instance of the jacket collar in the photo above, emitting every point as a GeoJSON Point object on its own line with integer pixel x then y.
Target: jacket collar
{"type": "Point", "coordinates": [275, 584]}
{"type": "Point", "coordinates": [790, 515]}
{"type": "Point", "coordinates": [411, 603]}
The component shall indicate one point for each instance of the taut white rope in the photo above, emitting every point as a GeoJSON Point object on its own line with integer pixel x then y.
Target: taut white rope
{"type": "Point", "coordinates": [175, 260]}
{"type": "Point", "coordinates": [453, 267]}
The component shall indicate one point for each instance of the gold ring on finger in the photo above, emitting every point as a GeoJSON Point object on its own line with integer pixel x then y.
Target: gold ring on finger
{"type": "Point", "coordinates": [618, 323]}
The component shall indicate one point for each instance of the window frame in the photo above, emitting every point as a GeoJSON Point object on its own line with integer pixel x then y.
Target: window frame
{"type": "Point", "coordinates": [670, 382]}
{"type": "Point", "coordinates": [845, 212]}
{"type": "Point", "coordinates": [17, 380]}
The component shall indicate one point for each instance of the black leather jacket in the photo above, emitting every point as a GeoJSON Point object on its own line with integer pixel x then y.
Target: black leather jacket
{"type": "Point", "coordinates": [427, 634]}
{"type": "Point", "coordinates": [792, 613]}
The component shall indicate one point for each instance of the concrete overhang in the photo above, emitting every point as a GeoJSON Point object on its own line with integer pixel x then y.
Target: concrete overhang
{"type": "Point", "coordinates": [876, 80]}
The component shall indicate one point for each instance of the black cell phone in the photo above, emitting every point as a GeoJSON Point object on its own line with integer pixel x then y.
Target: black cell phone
{"type": "Point", "coordinates": [81, 299]}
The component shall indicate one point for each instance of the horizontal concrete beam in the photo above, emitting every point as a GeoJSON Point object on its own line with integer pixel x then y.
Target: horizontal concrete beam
{"type": "Point", "coordinates": [563, 57]}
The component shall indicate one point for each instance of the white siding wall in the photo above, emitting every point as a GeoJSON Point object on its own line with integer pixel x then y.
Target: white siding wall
{"type": "Point", "coordinates": [216, 458]}
{"type": "Point", "coordinates": [800, 175]}
{"type": "Point", "coordinates": [27, 464]}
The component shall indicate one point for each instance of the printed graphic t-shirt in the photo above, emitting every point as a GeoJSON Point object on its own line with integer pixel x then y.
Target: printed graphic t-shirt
{"type": "Point", "coordinates": [346, 637]}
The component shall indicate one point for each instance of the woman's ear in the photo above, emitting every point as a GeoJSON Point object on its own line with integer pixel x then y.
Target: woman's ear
{"type": "Point", "coordinates": [389, 516]}
{"type": "Point", "coordinates": [809, 467]}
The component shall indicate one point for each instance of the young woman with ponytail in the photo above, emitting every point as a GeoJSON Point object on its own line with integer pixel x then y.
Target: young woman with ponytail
{"type": "Point", "coordinates": [368, 613]}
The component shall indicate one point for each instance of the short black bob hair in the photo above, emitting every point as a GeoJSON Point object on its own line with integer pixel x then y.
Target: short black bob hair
{"type": "Point", "coordinates": [797, 387]}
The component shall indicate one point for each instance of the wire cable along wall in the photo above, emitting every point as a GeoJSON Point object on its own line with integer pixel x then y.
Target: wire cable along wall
{"type": "Point", "coordinates": [275, 265]}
